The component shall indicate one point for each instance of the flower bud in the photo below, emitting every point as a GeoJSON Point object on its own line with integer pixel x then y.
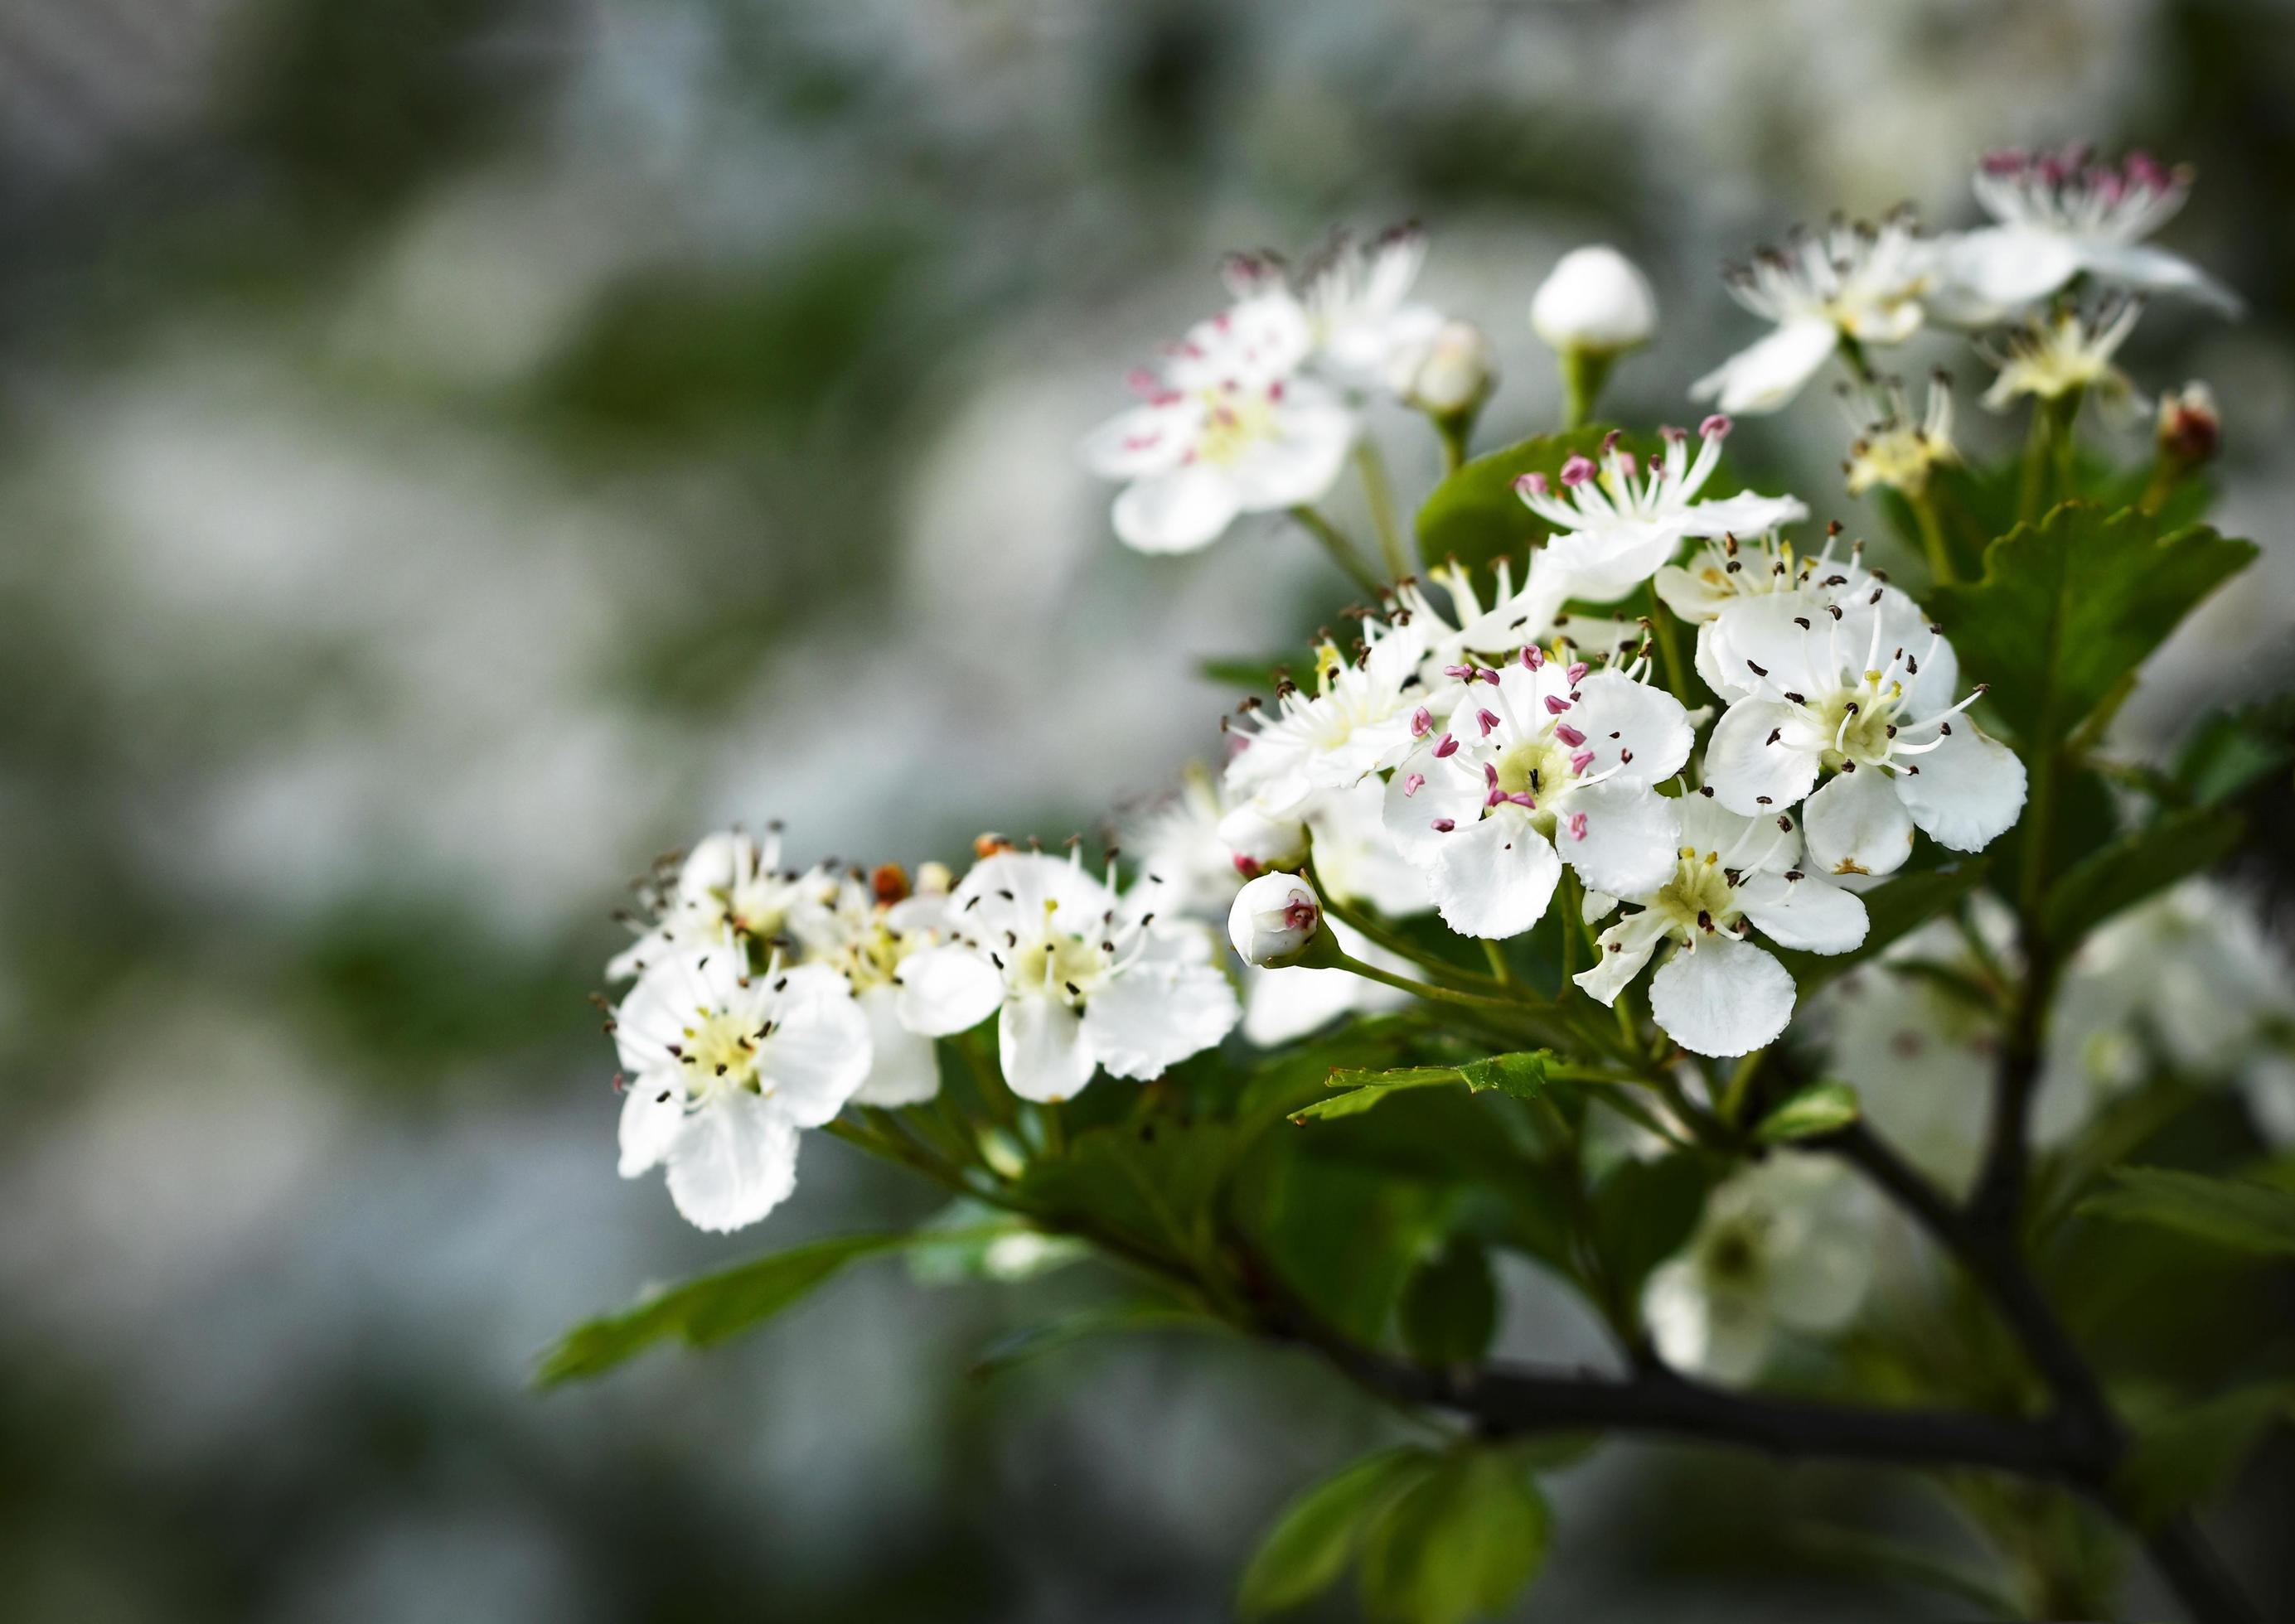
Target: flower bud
{"type": "Point", "coordinates": [1263, 841]}
{"type": "Point", "coordinates": [2190, 432]}
{"type": "Point", "coordinates": [1594, 301]}
{"type": "Point", "coordinates": [1275, 920]}
{"type": "Point", "coordinates": [1447, 374]}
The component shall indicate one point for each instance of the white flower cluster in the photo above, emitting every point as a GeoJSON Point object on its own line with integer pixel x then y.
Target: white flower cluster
{"type": "Point", "coordinates": [2060, 221]}
{"type": "Point", "coordinates": [767, 999]}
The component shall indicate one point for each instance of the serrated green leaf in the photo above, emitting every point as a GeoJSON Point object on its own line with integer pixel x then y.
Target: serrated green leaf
{"type": "Point", "coordinates": [2183, 1456]}
{"type": "Point", "coordinates": [1819, 1108]}
{"type": "Point", "coordinates": [2234, 1212]}
{"type": "Point", "coordinates": [1893, 909]}
{"type": "Point", "coordinates": [1521, 1075]}
{"type": "Point", "coordinates": [1316, 1537]}
{"type": "Point", "coordinates": [2138, 863]}
{"type": "Point", "coordinates": [709, 1309]}
{"type": "Point", "coordinates": [1449, 1307]}
{"type": "Point", "coordinates": [1458, 1543]}
{"type": "Point", "coordinates": [2069, 606]}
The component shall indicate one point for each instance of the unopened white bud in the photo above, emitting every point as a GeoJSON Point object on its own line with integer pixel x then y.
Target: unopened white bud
{"type": "Point", "coordinates": [1448, 373]}
{"type": "Point", "coordinates": [1260, 842]}
{"type": "Point", "coordinates": [1275, 920]}
{"type": "Point", "coordinates": [1595, 301]}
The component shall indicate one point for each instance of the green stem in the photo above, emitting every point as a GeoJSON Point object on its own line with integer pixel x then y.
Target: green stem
{"type": "Point", "coordinates": [1501, 971]}
{"type": "Point", "coordinates": [1347, 913]}
{"type": "Point", "coordinates": [1733, 1096]}
{"type": "Point", "coordinates": [1940, 570]}
{"type": "Point", "coordinates": [1583, 373]}
{"type": "Point", "coordinates": [1456, 430]}
{"type": "Point", "coordinates": [1341, 961]}
{"type": "Point", "coordinates": [1852, 356]}
{"type": "Point", "coordinates": [1380, 499]}
{"type": "Point", "coordinates": [1334, 543]}
{"type": "Point", "coordinates": [1574, 910]}
{"type": "Point", "coordinates": [1668, 648]}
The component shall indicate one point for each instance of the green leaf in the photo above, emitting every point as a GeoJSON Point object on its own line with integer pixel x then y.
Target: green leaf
{"type": "Point", "coordinates": [2234, 1212]}
{"type": "Point", "coordinates": [1252, 675]}
{"type": "Point", "coordinates": [1819, 1108]}
{"type": "Point", "coordinates": [709, 1309]}
{"type": "Point", "coordinates": [1475, 516]}
{"type": "Point", "coordinates": [1894, 909]}
{"type": "Point", "coordinates": [2138, 863]}
{"type": "Point", "coordinates": [2234, 750]}
{"type": "Point", "coordinates": [2185, 1456]}
{"type": "Point", "coordinates": [1033, 1341]}
{"type": "Point", "coordinates": [2069, 606]}
{"type": "Point", "coordinates": [1458, 1543]}
{"type": "Point", "coordinates": [1644, 1212]}
{"type": "Point", "coordinates": [1151, 1184]}
{"type": "Point", "coordinates": [1519, 1075]}
{"type": "Point", "coordinates": [1316, 1537]}
{"type": "Point", "coordinates": [1450, 1306]}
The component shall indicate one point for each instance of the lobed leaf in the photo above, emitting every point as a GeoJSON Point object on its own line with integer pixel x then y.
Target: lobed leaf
{"type": "Point", "coordinates": [709, 1310]}
{"type": "Point", "coordinates": [1450, 1306]}
{"type": "Point", "coordinates": [1458, 1543]}
{"type": "Point", "coordinates": [1521, 1075]}
{"type": "Point", "coordinates": [2070, 606]}
{"type": "Point", "coordinates": [2234, 1212]}
{"type": "Point", "coordinates": [1819, 1108]}
{"type": "Point", "coordinates": [2184, 1456]}
{"type": "Point", "coordinates": [1317, 1533]}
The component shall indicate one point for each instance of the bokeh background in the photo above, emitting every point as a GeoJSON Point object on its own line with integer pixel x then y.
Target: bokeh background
{"type": "Point", "coordinates": [452, 450]}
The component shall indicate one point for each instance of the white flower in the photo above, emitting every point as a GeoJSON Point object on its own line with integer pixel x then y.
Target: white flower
{"type": "Point", "coordinates": [1275, 920]}
{"type": "Point", "coordinates": [1893, 450]}
{"type": "Point", "coordinates": [1786, 1244]}
{"type": "Point", "coordinates": [1076, 973]}
{"type": "Point", "coordinates": [1548, 755]}
{"type": "Point", "coordinates": [1595, 300]}
{"type": "Point", "coordinates": [1179, 843]}
{"type": "Point", "coordinates": [1363, 717]}
{"type": "Point", "coordinates": [1856, 281]}
{"type": "Point", "coordinates": [726, 1065]}
{"type": "Point", "coordinates": [1458, 655]}
{"type": "Point", "coordinates": [2059, 215]}
{"type": "Point", "coordinates": [1722, 573]}
{"type": "Point", "coordinates": [1615, 524]}
{"type": "Point", "coordinates": [2065, 351]}
{"type": "Point", "coordinates": [731, 888]}
{"type": "Point", "coordinates": [1357, 297]}
{"type": "Point", "coordinates": [865, 931]}
{"type": "Point", "coordinates": [1719, 994]}
{"type": "Point", "coordinates": [1229, 426]}
{"type": "Point", "coordinates": [1857, 691]}
{"type": "Point", "coordinates": [1451, 370]}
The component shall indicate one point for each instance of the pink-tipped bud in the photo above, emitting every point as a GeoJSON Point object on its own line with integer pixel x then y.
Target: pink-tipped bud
{"type": "Point", "coordinates": [1274, 920]}
{"type": "Point", "coordinates": [1245, 866]}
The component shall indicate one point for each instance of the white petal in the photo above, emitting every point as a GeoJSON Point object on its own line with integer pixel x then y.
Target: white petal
{"type": "Point", "coordinates": [1155, 1015]}
{"type": "Point", "coordinates": [1144, 440]}
{"type": "Point", "coordinates": [1991, 274]}
{"type": "Point", "coordinates": [1648, 721]}
{"type": "Point", "coordinates": [947, 990]}
{"type": "Point", "coordinates": [1747, 513]}
{"type": "Point", "coordinates": [1969, 789]}
{"type": "Point", "coordinates": [1857, 824]}
{"type": "Point", "coordinates": [903, 1066]}
{"type": "Point", "coordinates": [1605, 562]}
{"type": "Point", "coordinates": [2154, 269]}
{"type": "Point", "coordinates": [653, 1112]}
{"type": "Point", "coordinates": [1775, 631]}
{"type": "Point", "coordinates": [1624, 948]}
{"type": "Point", "coordinates": [735, 1162]}
{"type": "Point", "coordinates": [1493, 878]}
{"type": "Point", "coordinates": [1749, 773]}
{"type": "Point", "coordinates": [1042, 1043]}
{"type": "Point", "coordinates": [1810, 913]}
{"type": "Point", "coordinates": [1722, 997]}
{"type": "Point", "coordinates": [816, 1055]}
{"type": "Point", "coordinates": [1302, 461]}
{"type": "Point", "coordinates": [1633, 838]}
{"type": "Point", "coordinates": [1177, 511]}
{"type": "Point", "coordinates": [1770, 372]}
{"type": "Point", "coordinates": [1425, 791]}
